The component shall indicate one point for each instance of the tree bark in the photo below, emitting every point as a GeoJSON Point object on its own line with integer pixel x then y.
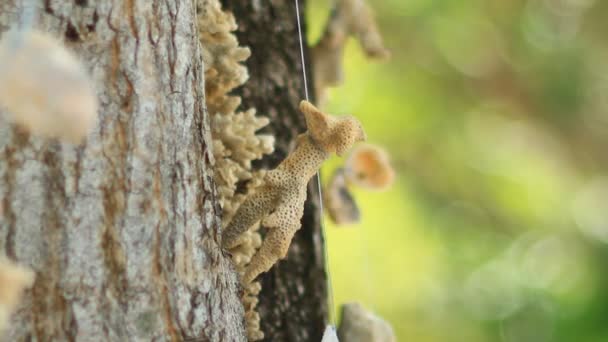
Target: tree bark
{"type": "Point", "coordinates": [123, 230]}
{"type": "Point", "coordinates": [293, 301]}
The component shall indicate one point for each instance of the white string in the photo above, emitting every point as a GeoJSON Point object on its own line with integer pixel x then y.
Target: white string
{"type": "Point", "coordinates": [332, 309]}
{"type": "Point", "coordinates": [301, 48]}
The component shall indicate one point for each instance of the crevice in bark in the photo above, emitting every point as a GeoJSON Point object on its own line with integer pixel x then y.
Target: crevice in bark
{"type": "Point", "coordinates": [71, 33]}
{"type": "Point", "coordinates": [19, 141]}
{"type": "Point", "coordinates": [52, 316]}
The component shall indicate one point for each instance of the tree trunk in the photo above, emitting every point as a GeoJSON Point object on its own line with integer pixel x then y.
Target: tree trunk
{"type": "Point", "coordinates": [293, 301]}
{"type": "Point", "coordinates": [122, 231]}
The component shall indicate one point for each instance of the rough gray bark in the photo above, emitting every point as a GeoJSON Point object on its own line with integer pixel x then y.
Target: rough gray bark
{"type": "Point", "coordinates": [123, 230]}
{"type": "Point", "coordinates": [293, 305]}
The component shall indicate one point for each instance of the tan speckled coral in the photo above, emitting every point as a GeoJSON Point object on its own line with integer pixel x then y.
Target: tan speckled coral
{"type": "Point", "coordinates": [279, 202]}
{"type": "Point", "coordinates": [348, 18]}
{"type": "Point", "coordinates": [235, 142]}
{"type": "Point", "coordinates": [13, 280]}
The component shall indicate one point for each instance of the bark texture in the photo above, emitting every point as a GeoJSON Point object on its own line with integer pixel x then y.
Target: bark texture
{"type": "Point", "coordinates": [293, 301]}
{"type": "Point", "coordinates": [123, 230]}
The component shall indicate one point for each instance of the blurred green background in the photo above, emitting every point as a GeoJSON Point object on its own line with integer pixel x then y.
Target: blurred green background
{"type": "Point", "coordinates": [495, 114]}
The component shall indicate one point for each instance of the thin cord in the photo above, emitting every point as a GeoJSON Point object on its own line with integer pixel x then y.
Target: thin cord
{"type": "Point", "coordinates": [301, 48]}
{"type": "Point", "coordinates": [332, 309]}
{"type": "Point", "coordinates": [330, 289]}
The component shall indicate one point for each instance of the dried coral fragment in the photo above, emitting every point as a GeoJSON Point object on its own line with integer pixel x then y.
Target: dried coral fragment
{"type": "Point", "coordinates": [339, 202]}
{"type": "Point", "coordinates": [279, 201]}
{"type": "Point", "coordinates": [369, 167]}
{"type": "Point", "coordinates": [45, 88]}
{"type": "Point", "coordinates": [13, 280]}
{"type": "Point", "coordinates": [349, 18]}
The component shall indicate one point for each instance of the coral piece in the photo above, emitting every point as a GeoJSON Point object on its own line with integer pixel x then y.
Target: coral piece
{"type": "Point", "coordinates": [279, 201]}
{"type": "Point", "coordinates": [348, 18]}
{"type": "Point", "coordinates": [368, 166]}
{"type": "Point", "coordinates": [235, 142]}
{"type": "Point", "coordinates": [339, 202]}
{"type": "Point", "coordinates": [360, 325]}
{"type": "Point", "coordinates": [44, 87]}
{"type": "Point", "coordinates": [329, 335]}
{"type": "Point", "coordinates": [13, 280]}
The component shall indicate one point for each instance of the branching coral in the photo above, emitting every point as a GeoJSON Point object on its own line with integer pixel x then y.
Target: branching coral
{"type": "Point", "coordinates": [44, 88]}
{"type": "Point", "coordinates": [13, 280]}
{"type": "Point", "coordinates": [349, 18]}
{"type": "Point", "coordinates": [279, 201]}
{"type": "Point", "coordinates": [235, 142]}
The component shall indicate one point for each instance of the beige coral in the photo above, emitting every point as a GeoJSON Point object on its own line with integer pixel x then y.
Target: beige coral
{"type": "Point", "coordinates": [235, 142]}
{"type": "Point", "coordinates": [44, 88]}
{"type": "Point", "coordinates": [14, 280]}
{"type": "Point", "coordinates": [279, 202]}
{"type": "Point", "coordinates": [349, 18]}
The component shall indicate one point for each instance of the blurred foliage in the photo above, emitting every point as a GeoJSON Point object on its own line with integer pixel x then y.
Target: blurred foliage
{"type": "Point", "coordinates": [495, 114]}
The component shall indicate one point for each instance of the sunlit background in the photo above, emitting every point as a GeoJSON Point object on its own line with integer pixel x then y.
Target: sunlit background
{"type": "Point", "coordinates": [495, 114]}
